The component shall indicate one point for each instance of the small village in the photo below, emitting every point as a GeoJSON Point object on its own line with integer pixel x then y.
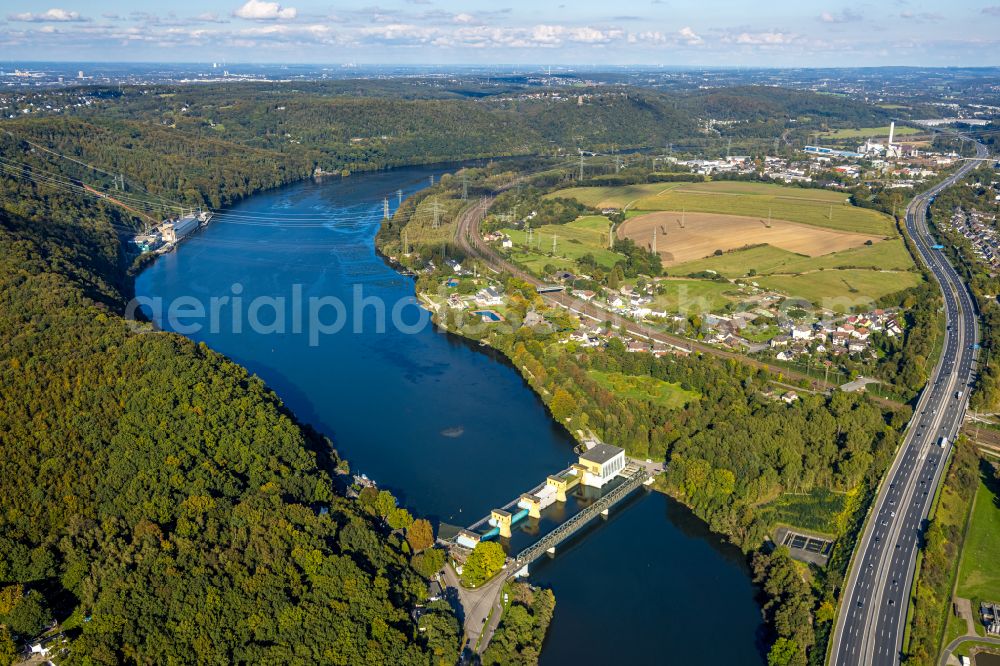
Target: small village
{"type": "Point", "coordinates": [766, 325]}
{"type": "Point", "coordinates": [980, 230]}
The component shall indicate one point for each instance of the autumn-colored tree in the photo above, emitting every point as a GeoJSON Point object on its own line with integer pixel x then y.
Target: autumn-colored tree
{"type": "Point", "coordinates": [420, 534]}
{"type": "Point", "coordinates": [563, 405]}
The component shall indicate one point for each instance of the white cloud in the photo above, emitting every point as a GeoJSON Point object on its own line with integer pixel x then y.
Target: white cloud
{"type": "Point", "coordinates": [463, 18]}
{"type": "Point", "coordinates": [921, 16]}
{"type": "Point", "coordinates": [54, 14]}
{"type": "Point", "coordinates": [689, 36]}
{"type": "Point", "coordinates": [844, 16]}
{"type": "Point", "coordinates": [765, 38]}
{"type": "Point", "coordinates": [258, 10]}
{"type": "Point", "coordinates": [210, 17]}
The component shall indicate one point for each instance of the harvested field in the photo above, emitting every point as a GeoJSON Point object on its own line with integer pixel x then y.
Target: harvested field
{"type": "Point", "coordinates": [682, 237]}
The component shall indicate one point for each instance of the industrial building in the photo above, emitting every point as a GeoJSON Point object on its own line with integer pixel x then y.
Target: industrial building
{"type": "Point", "coordinates": [596, 467]}
{"type": "Point", "coordinates": [601, 463]}
{"type": "Point", "coordinates": [174, 231]}
{"type": "Point", "coordinates": [989, 613]}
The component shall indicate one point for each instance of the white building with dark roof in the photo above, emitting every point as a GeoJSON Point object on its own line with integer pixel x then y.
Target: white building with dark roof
{"type": "Point", "coordinates": [602, 462]}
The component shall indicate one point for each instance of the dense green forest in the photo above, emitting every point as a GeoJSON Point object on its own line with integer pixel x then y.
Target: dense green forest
{"type": "Point", "coordinates": [159, 501]}
{"type": "Point", "coordinates": [518, 640]}
{"type": "Point", "coordinates": [362, 125]}
{"type": "Point", "coordinates": [163, 505]}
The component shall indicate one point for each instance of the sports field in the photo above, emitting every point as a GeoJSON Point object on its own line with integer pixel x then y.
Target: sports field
{"type": "Point", "coordinates": [821, 208]}
{"type": "Point", "coordinates": [682, 237]}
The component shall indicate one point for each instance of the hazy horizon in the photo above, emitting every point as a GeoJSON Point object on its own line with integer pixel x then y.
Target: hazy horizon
{"type": "Point", "coordinates": [674, 33]}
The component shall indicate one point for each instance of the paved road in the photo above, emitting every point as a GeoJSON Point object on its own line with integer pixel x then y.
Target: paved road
{"type": "Point", "coordinates": [871, 617]}
{"type": "Point", "coordinates": [468, 237]}
{"type": "Point", "coordinates": [958, 641]}
{"type": "Point", "coordinates": [476, 605]}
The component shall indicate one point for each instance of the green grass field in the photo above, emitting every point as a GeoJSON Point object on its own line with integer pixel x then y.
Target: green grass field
{"type": "Point", "coordinates": [694, 296]}
{"type": "Point", "coordinates": [866, 132]}
{"type": "Point", "coordinates": [815, 511]}
{"type": "Point", "coordinates": [768, 260]}
{"type": "Point", "coordinates": [645, 388]}
{"type": "Point", "coordinates": [978, 573]}
{"type": "Point", "coordinates": [617, 196]}
{"type": "Point", "coordinates": [840, 290]}
{"type": "Point", "coordinates": [821, 208]}
{"type": "Point", "coordinates": [584, 235]}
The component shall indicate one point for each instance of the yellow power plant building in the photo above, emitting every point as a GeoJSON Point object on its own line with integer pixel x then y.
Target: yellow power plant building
{"type": "Point", "coordinates": [600, 464]}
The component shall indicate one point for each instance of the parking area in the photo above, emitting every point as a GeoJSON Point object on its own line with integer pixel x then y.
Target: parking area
{"type": "Point", "coordinates": [805, 547]}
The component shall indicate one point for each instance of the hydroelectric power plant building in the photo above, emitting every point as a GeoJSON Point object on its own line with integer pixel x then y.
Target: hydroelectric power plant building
{"type": "Point", "coordinates": [596, 466]}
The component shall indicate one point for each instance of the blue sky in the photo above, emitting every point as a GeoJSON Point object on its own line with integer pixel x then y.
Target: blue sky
{"type": "Point", "coordinates": [584, 32]}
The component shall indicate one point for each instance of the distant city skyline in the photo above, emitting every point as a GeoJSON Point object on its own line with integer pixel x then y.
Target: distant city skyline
{"type": "Point", "coordinates": [585, 32]}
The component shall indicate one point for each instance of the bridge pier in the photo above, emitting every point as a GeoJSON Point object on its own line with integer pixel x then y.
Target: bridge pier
{"type": "Point", "coordinates": [562, 483]}
{"type": "Point", "coordinates": [604, 514]}
{"type": "Point", "coordinates": [551, 550]}
{"type": "Point", "coordinates": [532, 503]}
{"type": "Point", "coordinates": [501, 520]}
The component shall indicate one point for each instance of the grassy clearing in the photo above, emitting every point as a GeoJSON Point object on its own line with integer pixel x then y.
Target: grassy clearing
{"type": "Point", "coordinates": [867, 132]}
{"type": "Point", "coordinates": [535, 262]}
{"type": "Point", "coordinates": [840, 290]}
{"type": "Point", "coordinates": [585, 235]}
{"type": "Point", "coordinates": [821, 208]}
{"type": "Point", "coordinates": [815, 511]}
{"type": "Point", "coordinates": [769, 260]}
{"type": "Point", "coordinates": [978, 574]}
{"type": "Point", "coordinates": [644, 388]}
{"type": "Point", "coordinates": [421, 229]}
{"type": "Point", "coordinates": [694, 296]}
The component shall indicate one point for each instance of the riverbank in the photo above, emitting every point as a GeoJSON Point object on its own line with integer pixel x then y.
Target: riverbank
{"type": "Point", "coordinates": [466, 432]}
{"type": "Point", "coordinates": [723, 468]}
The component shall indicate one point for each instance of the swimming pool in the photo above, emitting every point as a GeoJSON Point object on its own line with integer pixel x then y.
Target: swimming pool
{"type": "Point", "coordinates": [489, 315]}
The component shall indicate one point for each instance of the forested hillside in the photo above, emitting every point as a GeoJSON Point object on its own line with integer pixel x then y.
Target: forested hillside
{"type": "Point", "coordinates": [162, 503]}
{"type": "Point", "coordinates": [372, 124]}
{"type": "Point", "coordinates": [157, 499]}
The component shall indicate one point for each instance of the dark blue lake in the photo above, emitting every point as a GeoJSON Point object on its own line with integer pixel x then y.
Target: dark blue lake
{"type": "Point", "coordinates": [449, 427]}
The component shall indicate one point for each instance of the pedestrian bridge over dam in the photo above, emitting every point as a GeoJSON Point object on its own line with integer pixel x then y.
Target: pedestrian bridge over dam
{"type": "Point", "coordinates": [602, 467]}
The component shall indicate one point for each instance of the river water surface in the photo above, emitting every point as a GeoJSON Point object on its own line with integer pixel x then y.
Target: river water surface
{"type": "Point", "coordinates": [450, 428]}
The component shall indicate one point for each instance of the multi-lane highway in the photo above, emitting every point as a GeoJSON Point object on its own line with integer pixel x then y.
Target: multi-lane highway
{"type": "Point", "coordinates": [872, 613]}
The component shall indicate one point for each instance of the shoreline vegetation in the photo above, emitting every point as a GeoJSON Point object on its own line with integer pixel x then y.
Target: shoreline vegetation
{"type": "Point", "coordinates": [715, 438]}
{"type": "Point", "coordinates": [147, 541]}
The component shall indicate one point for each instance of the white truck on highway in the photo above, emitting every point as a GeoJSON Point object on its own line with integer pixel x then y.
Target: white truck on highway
{"type": "Point", "coordinates": [943, 442]}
